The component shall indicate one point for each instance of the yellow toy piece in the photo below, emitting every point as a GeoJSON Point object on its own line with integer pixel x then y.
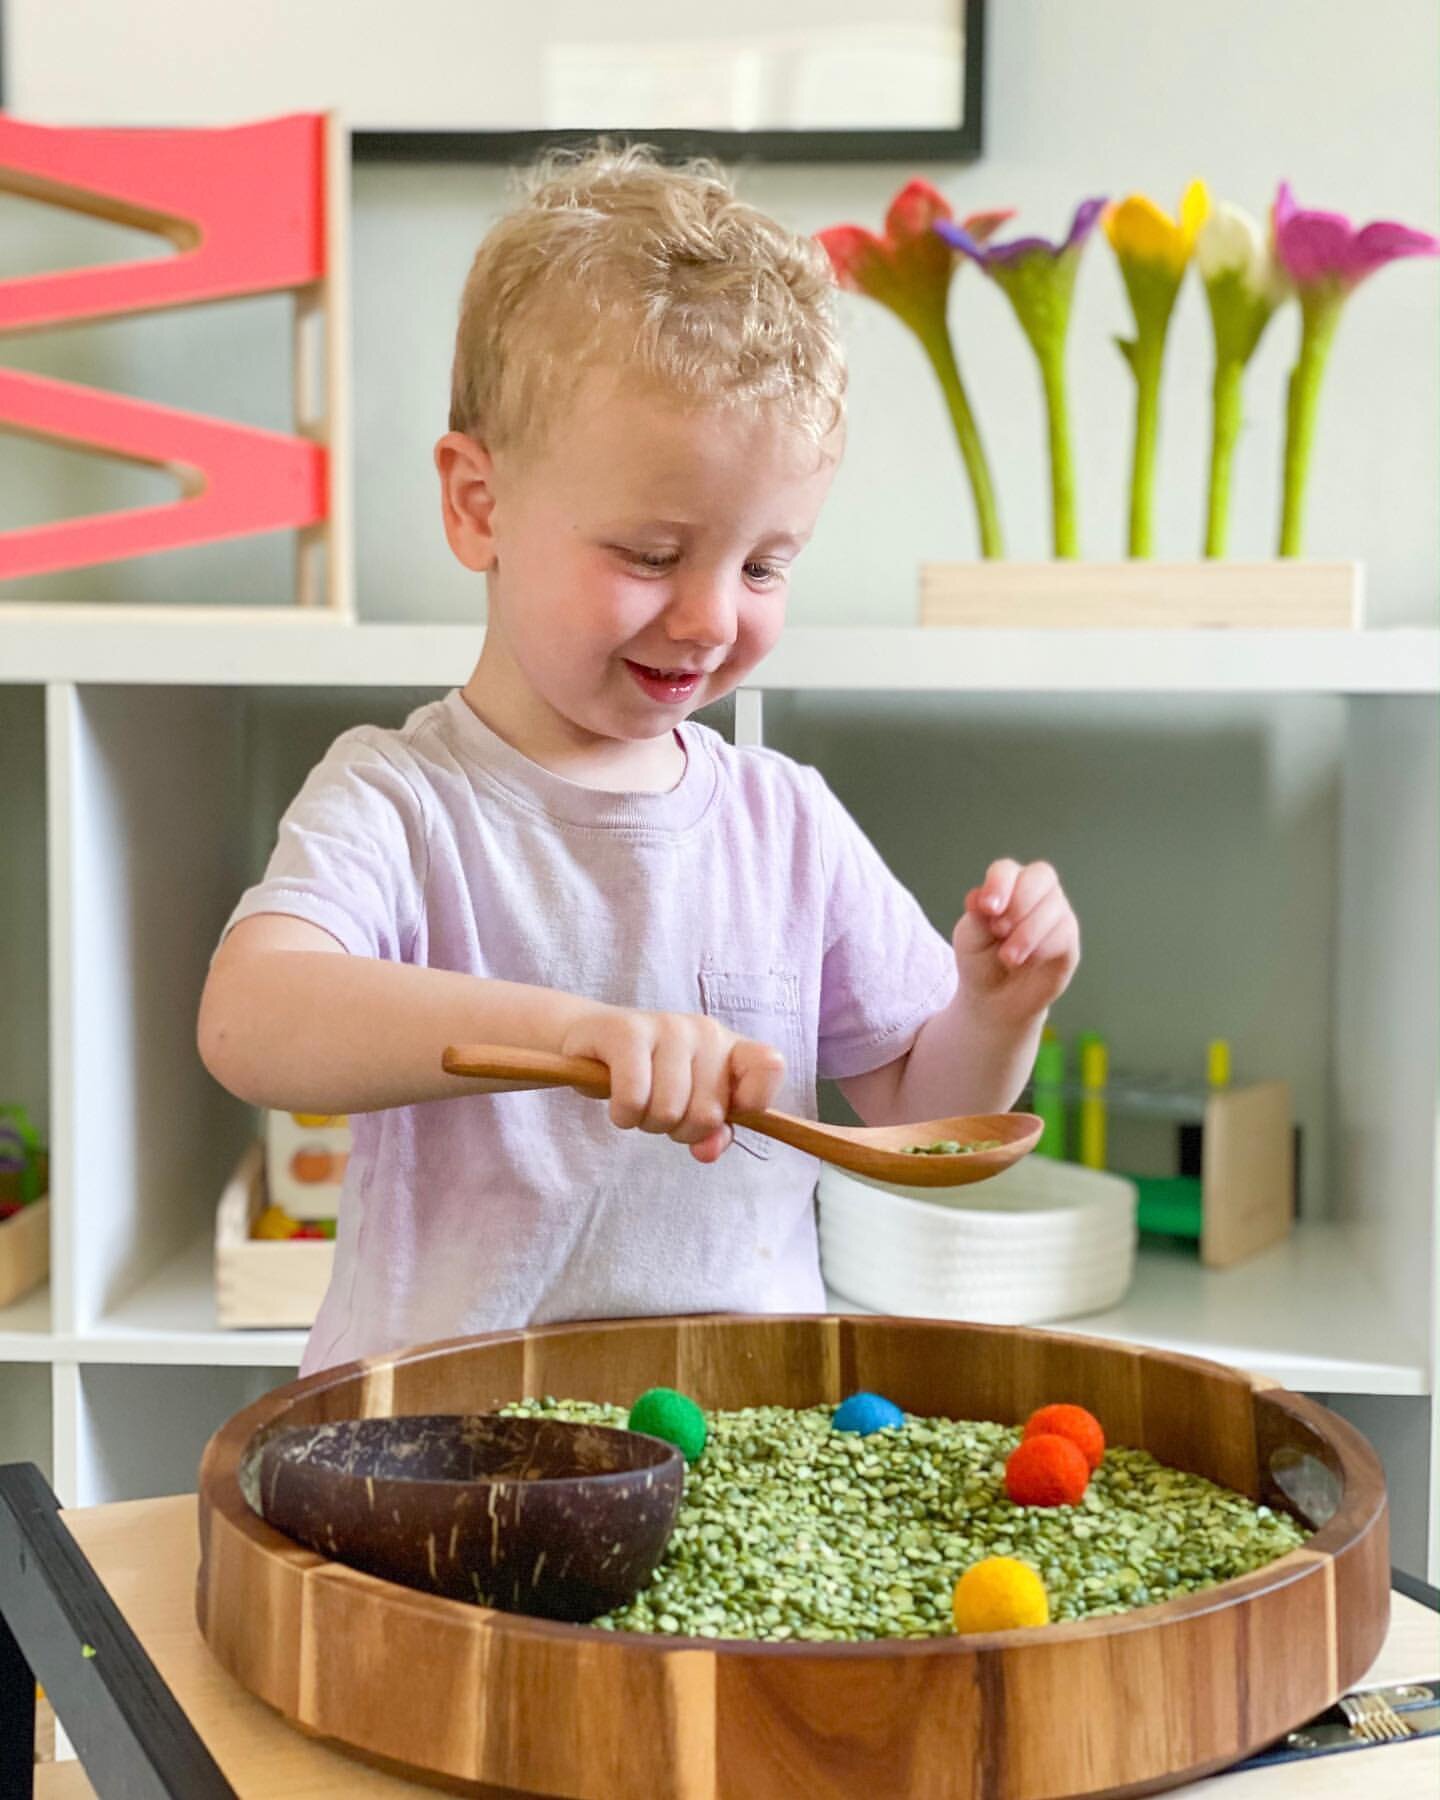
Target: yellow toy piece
{"type": "Point", "coordinates": [275, 1222]}
{"type": "Point", "coordinates": [999, 1594]}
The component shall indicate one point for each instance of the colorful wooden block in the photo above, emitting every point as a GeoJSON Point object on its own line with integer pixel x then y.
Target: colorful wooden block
{"type": "Point", "coordinates": [305, 1158]}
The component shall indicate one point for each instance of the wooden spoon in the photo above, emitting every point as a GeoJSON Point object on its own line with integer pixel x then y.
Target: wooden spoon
{"type": "Point", "coordinates": [879, 1151]}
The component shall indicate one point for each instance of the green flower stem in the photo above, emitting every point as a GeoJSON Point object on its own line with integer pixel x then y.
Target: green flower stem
{"type": "Point", "coordinates": [1321, 314]}
{"type": "Point", "coordinates": [1065, 538]}
{"type": "Point", "coordinates": [1224, 432]}
{"type": "Point", "coordinates": [942, 355]}
{"type": "Point", "coordinates": [1147, 358]}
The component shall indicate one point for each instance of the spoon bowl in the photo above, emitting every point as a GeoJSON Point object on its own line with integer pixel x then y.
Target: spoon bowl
{"type": "Point", "coordinates": [882, 1152]}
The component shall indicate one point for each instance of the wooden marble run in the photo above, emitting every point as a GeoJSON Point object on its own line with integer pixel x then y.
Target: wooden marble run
{"type": "Point", "coordinates": [253, 209]}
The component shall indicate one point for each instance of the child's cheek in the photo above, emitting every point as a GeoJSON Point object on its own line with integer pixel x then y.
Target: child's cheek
{"type": "Point", "coordinates": [617, 606]}
{"type": "Point", "coordinates": [758, 629]}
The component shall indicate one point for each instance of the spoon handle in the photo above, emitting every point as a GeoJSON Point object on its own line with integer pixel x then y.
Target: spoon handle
{"type": "Point", "coordinates": [507, 1070]}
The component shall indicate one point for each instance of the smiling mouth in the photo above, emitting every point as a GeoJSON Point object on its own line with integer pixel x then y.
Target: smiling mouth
{"type": "Point", "coordinates": [667, 674]}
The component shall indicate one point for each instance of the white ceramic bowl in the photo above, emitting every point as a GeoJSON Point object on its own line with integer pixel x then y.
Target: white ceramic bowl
{"type": "Point", "coordinates": [1045, 1240]}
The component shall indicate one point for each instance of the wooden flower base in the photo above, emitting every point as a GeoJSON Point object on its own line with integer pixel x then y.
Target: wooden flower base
{"type": "Point", "coordinates": [1122, 1705]}
{"type": "Point", "coordinates": [1004, 596]}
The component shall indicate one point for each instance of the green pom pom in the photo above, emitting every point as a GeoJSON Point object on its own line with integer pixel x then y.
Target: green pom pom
{"type": "Point", "coordinates": [663, 1413]}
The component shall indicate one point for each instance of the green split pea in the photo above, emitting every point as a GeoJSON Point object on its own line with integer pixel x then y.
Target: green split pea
{"type": "Point", "coordinates": [790, 1530]}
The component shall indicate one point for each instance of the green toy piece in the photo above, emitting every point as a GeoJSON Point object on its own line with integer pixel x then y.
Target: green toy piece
{"type": "Point", "coordinates": [1048, 1098]}
{"type": "Point", "coordinates": [1170, 1204]}
{"type": "Point", "coordinates": [661, 1412]}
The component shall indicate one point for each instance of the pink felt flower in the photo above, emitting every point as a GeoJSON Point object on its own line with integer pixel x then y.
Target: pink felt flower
{"type": "Point", "coordinates": [1326, 259]}
{"type": "Point", "coordinates": [909, 269]}
{"type": "Point", "coordinates": [1317, 248]}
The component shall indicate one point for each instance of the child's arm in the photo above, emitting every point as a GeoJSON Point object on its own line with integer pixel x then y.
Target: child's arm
{"type": "Point", "coordinates": [289, 1019]}
{"type": "Point", "coordinates": [1017, 945]}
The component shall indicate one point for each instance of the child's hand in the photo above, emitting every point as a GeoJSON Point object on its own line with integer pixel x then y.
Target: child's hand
{"type": "Point", "coordinates": [1017, 943]}
{"type": "Point", "coordinates": [680, 1074]}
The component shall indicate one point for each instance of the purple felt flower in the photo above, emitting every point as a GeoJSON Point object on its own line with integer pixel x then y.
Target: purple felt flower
{"type": "Point", "coordinates": [1316, 248]}
{"type": "Point", "coordinates": [1038, 278]}
{"type": "Point", "coordinates": [992, 255]}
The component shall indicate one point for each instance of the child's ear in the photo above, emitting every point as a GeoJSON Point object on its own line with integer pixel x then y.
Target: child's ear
{"type": "Point", "coordinates": [467, 498]}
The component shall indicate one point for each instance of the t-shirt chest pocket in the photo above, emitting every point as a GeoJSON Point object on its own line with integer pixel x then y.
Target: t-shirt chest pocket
{"type": "Point", "coordinates": [763, 1004]}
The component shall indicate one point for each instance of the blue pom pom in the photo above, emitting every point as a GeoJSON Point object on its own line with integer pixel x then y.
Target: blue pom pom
{"type": "Point", "coordinates": [866, 1413]}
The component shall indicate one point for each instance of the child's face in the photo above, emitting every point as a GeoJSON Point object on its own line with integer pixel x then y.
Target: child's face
{"type": "Point", "coordinates": [639, 562]}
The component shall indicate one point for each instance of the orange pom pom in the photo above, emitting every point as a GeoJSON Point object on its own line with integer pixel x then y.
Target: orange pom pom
{"type": "Point", "coordinates": [1046, 1470]}
{"type": "Point", "coordinates": [1082, 1428]}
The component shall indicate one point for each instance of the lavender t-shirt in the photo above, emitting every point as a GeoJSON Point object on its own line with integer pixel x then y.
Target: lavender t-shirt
{"type": "Point", "coordinates": [746, 891]}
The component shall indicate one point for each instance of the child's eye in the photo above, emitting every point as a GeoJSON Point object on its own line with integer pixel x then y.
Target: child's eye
{"type": "Point", "coordinates": [648, 559]}
{"type": "Point", "coordinates": [765, 573]}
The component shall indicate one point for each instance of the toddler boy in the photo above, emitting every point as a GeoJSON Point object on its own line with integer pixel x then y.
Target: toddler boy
{"type": "Point", "coordinates": [646, 414]}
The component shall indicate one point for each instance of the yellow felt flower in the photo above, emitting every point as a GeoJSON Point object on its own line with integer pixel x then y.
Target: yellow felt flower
{"type": "Point", "coordinates": [1137, 228]}
{"type": "Point", "coordinates": [1153, 251]}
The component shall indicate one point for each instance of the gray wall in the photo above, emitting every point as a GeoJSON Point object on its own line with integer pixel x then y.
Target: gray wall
{"type": "Point", "coordinates": [1099, 98]}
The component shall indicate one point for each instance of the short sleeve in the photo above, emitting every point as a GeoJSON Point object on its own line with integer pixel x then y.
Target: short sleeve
{"type": "Point", "coordinates": [885, 967]}
{"type": "Point", "coordinates": [350, 852]}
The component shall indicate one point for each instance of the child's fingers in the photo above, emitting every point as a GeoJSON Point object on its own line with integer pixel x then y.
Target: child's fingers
{"type": "Point", "coordinates": [672, 1082]}
{"type": "Point", "coordinates": [1059, 947]}
{"type": "Point", "coordinates": [711, 1148]}
{"type": "Point", "coordinates": [974, 933]}
{"type": "Point", "coordinates": [1034, 929]}
{"type": "Point", "coordinates": [1035, 882]}
{"type": "Point", "coordinates": [756, 1072]}
{"type": "Point", "coordinates": [998, 887]}
{"type": "Point", "coordinates": [629, 1059]}
{"type": "Point", "coordinates": [976, 909]}
{"type": "Point", "coordinates": [709, 1099]}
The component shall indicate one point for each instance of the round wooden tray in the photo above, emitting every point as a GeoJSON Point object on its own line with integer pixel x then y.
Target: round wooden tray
{"type": "Point", "coordinates": [1127, 1704]}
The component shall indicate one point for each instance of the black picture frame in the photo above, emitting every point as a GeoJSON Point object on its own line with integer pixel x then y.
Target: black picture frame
{"type": "Point", "coordinates": [962, 144]}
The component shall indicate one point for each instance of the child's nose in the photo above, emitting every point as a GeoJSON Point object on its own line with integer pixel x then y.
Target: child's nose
{"type": "Point", "coordinates": [703, 610]}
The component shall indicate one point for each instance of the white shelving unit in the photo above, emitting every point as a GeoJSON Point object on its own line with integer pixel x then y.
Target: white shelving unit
{"type": "Point", "coordinates": [147, 755]}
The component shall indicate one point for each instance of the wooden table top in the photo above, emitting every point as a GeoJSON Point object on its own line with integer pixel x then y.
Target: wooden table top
{"type": "Point", "coordinates": [145, 1552]}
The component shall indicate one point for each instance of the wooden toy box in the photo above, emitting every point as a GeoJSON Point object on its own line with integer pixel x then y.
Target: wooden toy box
{"type": "Point", "coordinates": [24, 1250]}
{"type": "Point", "coordinates": [271, 1283]}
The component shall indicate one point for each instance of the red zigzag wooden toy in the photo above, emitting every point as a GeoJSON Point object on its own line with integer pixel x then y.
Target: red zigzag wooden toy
{"type": "Point", "coordinates": [250, 210]}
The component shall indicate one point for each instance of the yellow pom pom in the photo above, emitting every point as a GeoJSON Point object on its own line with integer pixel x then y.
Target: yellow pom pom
{"type": "Point", "coordinates": [275, 1222]}
{"type": "Point", "coordinates": [999, 1594]}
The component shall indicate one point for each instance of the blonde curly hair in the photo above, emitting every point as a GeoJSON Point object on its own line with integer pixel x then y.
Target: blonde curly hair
{"type": "Point", "coordinates": [615, 259]}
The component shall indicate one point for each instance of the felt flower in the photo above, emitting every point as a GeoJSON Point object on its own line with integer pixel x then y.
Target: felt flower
{"type": "Point", "coordinates": [1038, 278]}
{"type": "Point", "coordinates": [1243, 286]}
{"type": "Point", "coordinates": [909, 270]}
{"type": "Point", "coordinates": [1326, 259]}
{"type": "Point", "coordinates": [1153, 251]}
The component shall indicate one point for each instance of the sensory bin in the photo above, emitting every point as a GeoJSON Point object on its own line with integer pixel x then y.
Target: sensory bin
{"type": "Point", "coordinates": [446, 1688]}
{"type": "Point", "coordinates": [794, 1527]}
